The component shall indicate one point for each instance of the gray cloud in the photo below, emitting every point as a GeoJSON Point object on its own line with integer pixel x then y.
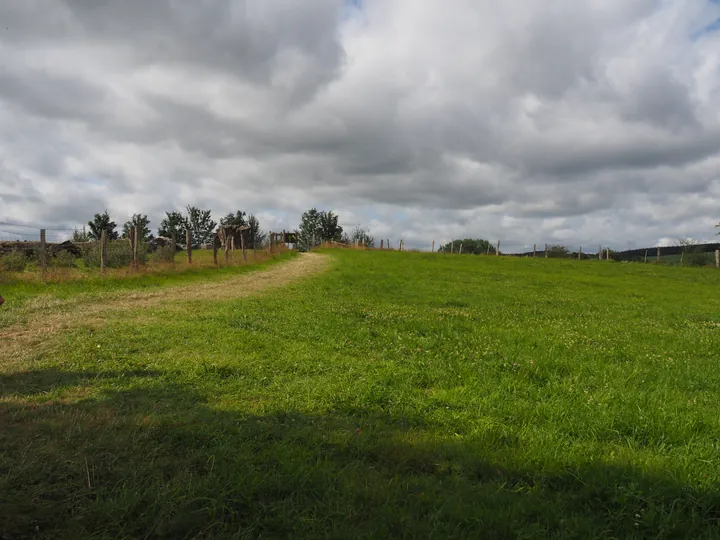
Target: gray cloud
{"type": "Point", "coordinates": [577, 122]}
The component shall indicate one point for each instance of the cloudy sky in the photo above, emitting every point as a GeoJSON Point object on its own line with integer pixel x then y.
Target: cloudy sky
{"type": "Point", "coordinates": [582, 122]}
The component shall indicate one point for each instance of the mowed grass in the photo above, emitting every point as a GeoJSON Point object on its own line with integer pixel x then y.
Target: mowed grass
{"type": "Point", "coordinates": [395, 395]}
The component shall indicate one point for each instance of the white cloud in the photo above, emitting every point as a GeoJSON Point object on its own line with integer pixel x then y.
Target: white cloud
{"type": "Point", "coordinates": [577, 122]}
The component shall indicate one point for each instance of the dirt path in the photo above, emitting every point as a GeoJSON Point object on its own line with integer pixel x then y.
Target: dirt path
{"type": "Point", "coordinates": [19, 340]}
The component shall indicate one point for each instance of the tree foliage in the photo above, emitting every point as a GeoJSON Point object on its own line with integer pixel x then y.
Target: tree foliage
{"type": "Point", "coordinates": [309, 232]}
{"type": "Point", "coordinates": [558, 251]}
{"type": "Point", "coordinates": [257, 236]}
{"type": "Point", "coordinates": [329, 228]}
{"type": "Point", "coordinates": [80, 236]}
{"type": "Point", "coordinates": [140, 221]}
{"type": "Point", "coordinates": [100, 223]}
{"type": "Point", "coordinates": [202, 227]}
{"type": "Point", "coordinates": [477, 246]}
{"type": "Point", "coordinates": [237, 219]}
{"type": "Point", "coordinates": [359, 235]}
{"type": "Point", "coordinates": [174, 225]}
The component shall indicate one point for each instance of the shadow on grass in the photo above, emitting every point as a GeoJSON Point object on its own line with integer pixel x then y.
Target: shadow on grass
{"type": "Point", "coordinates": [150, 459]}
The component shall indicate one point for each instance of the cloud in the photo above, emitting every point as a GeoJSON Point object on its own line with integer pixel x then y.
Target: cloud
{"type": "Point", "coordinates": [578, 122]}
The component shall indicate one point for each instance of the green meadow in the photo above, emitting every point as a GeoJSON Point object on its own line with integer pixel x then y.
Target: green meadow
{"type": "Point", "coordinates": [385, 394]}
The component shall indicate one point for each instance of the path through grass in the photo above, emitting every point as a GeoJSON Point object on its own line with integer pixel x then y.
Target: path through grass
{"type": "Point", "coordinates": [394, 395]}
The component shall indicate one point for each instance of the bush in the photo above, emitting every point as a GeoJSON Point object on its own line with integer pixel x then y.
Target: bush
{"type": "Point", "coordinates": [14, 262]}
{"type": "Point", "coordinates": [699, 258]}
{"type": "Point", "coordinates": [163, 255]}
{"type": "Point", "coordinates": [64, 259]}
{"type": "Point", "coordinates": [119, 254]}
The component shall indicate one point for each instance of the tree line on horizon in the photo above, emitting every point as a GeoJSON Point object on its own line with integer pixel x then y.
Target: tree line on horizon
{"type": "Point", "coordinates": [315, 228]}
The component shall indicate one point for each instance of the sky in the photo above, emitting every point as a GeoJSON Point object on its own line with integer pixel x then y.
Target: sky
{"type": "Point", "coordinates": [526, 121]}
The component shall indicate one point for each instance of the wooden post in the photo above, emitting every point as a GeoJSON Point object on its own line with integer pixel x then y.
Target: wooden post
{"type": "Point", "coordinates": [103, 250]}
{"type": "Point", "coordinates": [388, 244]}
{"type": "Point", "coordinates": [600, 252]}
{"type": "Point", "coordinates": [717, 258]}
{"type": "Point", "coordinates": [227, 251]}
{"type": "Point", "coordinates": [607, 254]}
{"type": "Point", "coordinates": [658, 255]}
{"type": "Point", "coordinates": [534, 250]}
{"type": "Point", "coordinates": [546, 253]}
{"type": "Point", "coordinates": [580, 253]}
{"type": "Point", "coordinates": [242, 245]}
{"type": "Point", "coordinates": [382, 243]}
{"type": "Point", "coordinates": [216, 240]}
{"type": "Point", "coordinates": [188, 245]}
{"type": "Point", "coordinates": [487, 252]}
{"type": "Point", "coordinates": [43, 252]}
{"type": "Point", "coordinates": [682, 256]}
{"type": "Point", "coordinates": [646, 256]}
{"type": "Point", "coordinates": [173, 246]}
{"type": "Point", "coordinates": [452, 247]}
{"type": "Point", "coordinates": [432, 250]}
{"type": "Point", "coordinates": [460, 250]}
{"type": "Point", "coordinates": [497, 251]}
{"type": "Point", "coordinates": [136, 242]}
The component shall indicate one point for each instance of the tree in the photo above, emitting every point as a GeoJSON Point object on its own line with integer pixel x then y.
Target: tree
{"type": "Point", "coordinates": [256, 237]}
{"type": "Point", "coordinates": [174, 225]}
{"type": "Point", "coordinates": [308, 234]}
{"type": "Point", "coordinates": [360, 236]}
{"type": "Point", "coordinates": [330, 231]}
{"type": "Point", "coordinates": [476, 246]}
{"type": "Point", "coordinates": [140, 221]}
{"type": "Point", "coordinates": [558, 251]}
{"type": "Point", "coordinates": [80, 236]}
{"type": "Point", "coordinates": [237, 219]}
{"type": "Point", "coordinates": [100, 223]}
{"type": "Point", "coordinates": [202, 227]}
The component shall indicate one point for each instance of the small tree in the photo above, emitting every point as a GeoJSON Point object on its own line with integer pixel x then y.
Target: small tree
{"type": "Point", "coordinates": [309, 232]}
{"type": "Point", "coordinates": [256, 237]}
{"type": "Point", "coordinates": [174, 225]}
{"type": "Point", "coordinates": [359, 235]}
{"type": "Point", "coordinates": [330, 231]}
{"type": "Point", "coordinates": [558, 251]}
{"type": "Point", "coordinates": [80, 236]}
{"type": "Point", "coordinates": [100, 223]}
{"type": "Point", "coordinates": [202, 226]}
{"type": "Point", "coordinates": [140, 221]}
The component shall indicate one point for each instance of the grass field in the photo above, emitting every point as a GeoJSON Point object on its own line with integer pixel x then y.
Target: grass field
{"type": "Point", "coordinates": [382, 395]}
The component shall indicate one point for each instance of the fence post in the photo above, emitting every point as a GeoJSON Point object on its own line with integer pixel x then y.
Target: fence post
{"type": "Point", "coordinates": [388, 244]}
{"type": "Point", "coordinates": [646, 256]}
{"type": "Point", "coordinates": [682, 256]}
{"type": "Point", "coordinates": [534, 250]}
{"type": "Point", "coordinates": [136, 243]}
{"type": "Point", "coordinates": [382, 244]}
{"type": "Point", "coordinates": [546, 253]}
{"type": "Point", "coordinates": [242, 245]}
{"type": "Point", "coordinates": [658, 255]}
{"type": "Point", "coordinates": [580, 253]}
{"type": "Point", "coordinates": [487, 251]}
{"type": "Point", "coordinates": [497, 251]}
{"type": "Point", "coordinates": [717, 258]}
{"type": "Point", "coordinates": [452, 247]}
{"type": "Point", "coordinates": [607, 254]}
{"type": "Point", "coordinates": [433, 247]}
{"type": "Point", "coordinates": [460, 251]}
{"type": "Point", "coordinates": [600, 252]}
{"type": "Point", "coordinates": [43, 252]}
{"type": "Point", "coordinates": [103, 250]}
{"type": "Point", "coordinates": [215, 249]}
{"type": "Point", "coordinates": [188, 245]}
